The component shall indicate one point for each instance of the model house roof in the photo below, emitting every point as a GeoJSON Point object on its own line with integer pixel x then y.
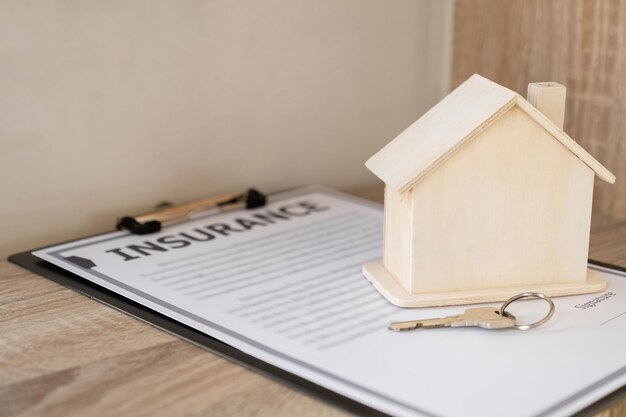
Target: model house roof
{"type": "Point", "coordinates": [450, 124]}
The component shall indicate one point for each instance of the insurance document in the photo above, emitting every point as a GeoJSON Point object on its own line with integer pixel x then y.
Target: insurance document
{"type": "Point", "coordinates": [283, 283]}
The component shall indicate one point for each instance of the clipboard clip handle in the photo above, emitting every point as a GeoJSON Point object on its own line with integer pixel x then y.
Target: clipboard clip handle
{"type": "Point", "coordinates": [152, 222]}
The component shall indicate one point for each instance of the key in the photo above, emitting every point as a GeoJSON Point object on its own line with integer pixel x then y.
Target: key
{"type": "Point", "coordinates": [485, 317]}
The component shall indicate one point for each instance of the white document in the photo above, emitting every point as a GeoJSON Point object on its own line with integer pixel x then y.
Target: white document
{"type": "Point", "coordinates": [283, 283]}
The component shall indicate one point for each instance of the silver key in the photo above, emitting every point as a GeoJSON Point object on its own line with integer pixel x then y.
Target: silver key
{"type": "Point", "coordinates": [485, 317]}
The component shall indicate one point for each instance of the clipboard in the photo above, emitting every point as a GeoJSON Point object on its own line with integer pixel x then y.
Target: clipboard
{"type": "Point", "coordinates": [102, 295]}
{"type": "Point", "coordinates": [72, 281]}
{"type": "Point", "coordinates": [133, 309]}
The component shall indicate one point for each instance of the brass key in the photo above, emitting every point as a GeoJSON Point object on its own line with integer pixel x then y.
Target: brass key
{"type": "Point", "coordinates": [485, 317]}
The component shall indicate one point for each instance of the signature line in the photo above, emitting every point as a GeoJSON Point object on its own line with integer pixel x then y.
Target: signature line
{"type": "Point", "coordinates": [619, 315]}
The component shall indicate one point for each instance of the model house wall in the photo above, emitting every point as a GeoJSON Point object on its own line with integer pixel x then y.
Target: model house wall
{"type": "Point", "coordinates": [512, 207]}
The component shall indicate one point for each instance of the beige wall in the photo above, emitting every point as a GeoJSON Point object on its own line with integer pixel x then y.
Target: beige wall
{"type": "Point", "coordinates": [107, 107]}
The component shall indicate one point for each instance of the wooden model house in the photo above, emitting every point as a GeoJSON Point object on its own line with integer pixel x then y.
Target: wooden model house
{"type": "Point", "coordinates": [486, 197]}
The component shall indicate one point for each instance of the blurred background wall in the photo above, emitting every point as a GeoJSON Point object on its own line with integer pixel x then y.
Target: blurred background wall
{"type": "Point", "coordinates": [108, 107]}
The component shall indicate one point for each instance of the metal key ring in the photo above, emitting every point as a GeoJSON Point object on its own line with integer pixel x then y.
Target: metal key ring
{"type": "Point", "coordinates": [525, 296]}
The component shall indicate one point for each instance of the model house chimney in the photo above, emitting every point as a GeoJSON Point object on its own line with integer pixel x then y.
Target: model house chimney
{"type": "Point", "coordinates": [548, 98]}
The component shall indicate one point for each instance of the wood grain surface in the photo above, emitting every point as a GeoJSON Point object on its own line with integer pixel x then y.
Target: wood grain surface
{"type": "Point", "coordinates": [578, 43]}
{"type": "Point", "coordinates": [63, 354]}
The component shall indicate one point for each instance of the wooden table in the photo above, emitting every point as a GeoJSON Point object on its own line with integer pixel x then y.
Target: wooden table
{"type": "Point", "coordinates": [64, 354]}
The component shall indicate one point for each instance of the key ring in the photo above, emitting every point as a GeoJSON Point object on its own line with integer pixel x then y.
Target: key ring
{"type": "Point", "coordinates": [526, 296]}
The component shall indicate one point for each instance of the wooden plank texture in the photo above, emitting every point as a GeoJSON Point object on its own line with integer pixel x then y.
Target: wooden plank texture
{"type": "Point", "coordinates": [580, 44]}
{"type": "Point", "coordinates": [64, 354]}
